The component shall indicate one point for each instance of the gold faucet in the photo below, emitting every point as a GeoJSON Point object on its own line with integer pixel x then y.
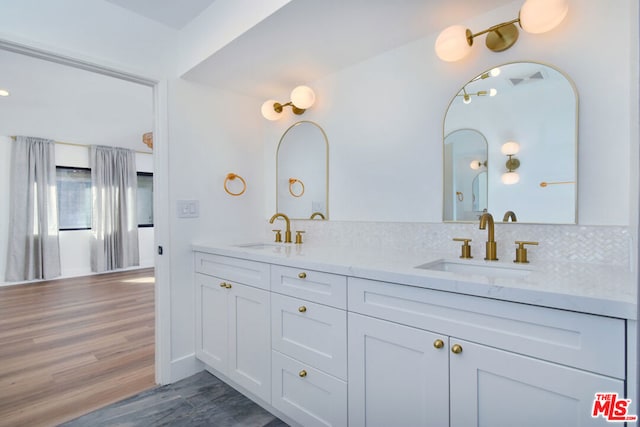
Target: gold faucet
{"type": "Point", "coordinates": [315, 214]}
{"type": "Point", "coordinates": [287, 233]}
{"type": "Point", "coordinates": [491, 254]}
{"type": "Point", "coordinates": [509, 214]}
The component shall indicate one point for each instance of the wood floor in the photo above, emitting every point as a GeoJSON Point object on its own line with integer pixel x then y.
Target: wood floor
{"type": "Point", "coordinates": [70, 346]}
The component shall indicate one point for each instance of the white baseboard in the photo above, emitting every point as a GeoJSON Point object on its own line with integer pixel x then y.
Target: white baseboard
{"type": "Point", "coordinates": [184, 367]}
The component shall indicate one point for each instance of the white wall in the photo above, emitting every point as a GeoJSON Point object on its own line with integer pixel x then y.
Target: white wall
{"type": "Point", "coordinates": [211, 135]}
{"type": "Point", "coordinates": [383, 117]}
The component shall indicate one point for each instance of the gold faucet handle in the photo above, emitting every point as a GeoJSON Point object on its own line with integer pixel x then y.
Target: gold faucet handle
{"type": "Point", "coordinates": [521, 251]}
{"type": "Point", "coordinates": [465, 249]}
{"type": "Point", "coordinates": [299, 237]}
{"type": "Point", "coordinates": [278, 235]}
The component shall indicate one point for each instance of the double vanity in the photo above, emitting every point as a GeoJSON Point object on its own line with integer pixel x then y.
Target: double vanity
{"type": "Point", "coordinates": [342, 336]}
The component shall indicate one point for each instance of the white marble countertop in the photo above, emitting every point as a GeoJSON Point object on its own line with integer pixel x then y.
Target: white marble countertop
{"type": "Point", "coordinates": [596, 289]}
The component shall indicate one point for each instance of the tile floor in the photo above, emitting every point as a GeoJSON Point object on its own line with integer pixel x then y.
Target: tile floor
{"type": "Point", "coordinates": [200, 400]}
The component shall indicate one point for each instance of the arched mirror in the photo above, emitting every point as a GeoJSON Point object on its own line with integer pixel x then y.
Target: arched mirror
{"type": "Point", "coordinates": [465, 154]}
{"type": "Point", "coordinates": [528, 114]}
{"type": "Point", "coordinates": [302, 175]}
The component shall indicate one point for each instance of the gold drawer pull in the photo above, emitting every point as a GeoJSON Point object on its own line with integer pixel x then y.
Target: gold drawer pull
{"type": "Point", "coordinates": [302, 275]}
{"type": "Point", "coordinates": [456, 348]}
{"type": "Point", "coordinates": [225, 285]}
{"type": "Point", "coordinates": [302, 309]}
{"type": "Point", "coordinates": [438, 343]}
{"type": "Point", "coordinates": [302, 373]}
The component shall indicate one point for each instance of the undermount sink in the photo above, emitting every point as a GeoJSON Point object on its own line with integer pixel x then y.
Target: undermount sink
{"type": "Point", "coordinates": [482, 268]}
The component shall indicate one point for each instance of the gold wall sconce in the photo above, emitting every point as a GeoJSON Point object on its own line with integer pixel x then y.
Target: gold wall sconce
{"type": "Point", "coordinates": [466, 96]}
{"type": "Point", "coordinates": [535, 17]}
{"type": "Point", "coordinates": [230, 177]}
{"type": "Point", "coordinates": [510, 149]}
{"type": "Point", "coordinates": [302, 97]}
{"type": "Point", "coordinates": [292, 182]}
{"type": "Point", "coordinates": [477, 164]}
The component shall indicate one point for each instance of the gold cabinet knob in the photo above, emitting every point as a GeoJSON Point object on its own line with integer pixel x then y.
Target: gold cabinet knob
{"type": "Point", "coordinates": [223, 285]}
{"type": "Point", "coordinates": [302, 309]}
{"type": "Point", "coordinates": [302, 275]}
{"type": "Point", "coordinates": [438, 343]}
{"type": "Point", "coordinates": [456, 348]}
{"type": "Point", "coordinates": [302, 373]}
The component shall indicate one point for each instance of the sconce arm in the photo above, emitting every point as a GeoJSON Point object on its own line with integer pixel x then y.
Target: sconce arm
{"type": "Point", "coordinates": [493, 28]}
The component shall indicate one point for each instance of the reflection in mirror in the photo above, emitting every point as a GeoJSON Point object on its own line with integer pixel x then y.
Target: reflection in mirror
{"type": "Point", "coordinates": [465, 154]}
{"type": "Point", "coordinates": [302, 175]}
{"type": "Point", "coordinates": [479, 189]}
{"type": "Point", "coordinates": [535, 106]}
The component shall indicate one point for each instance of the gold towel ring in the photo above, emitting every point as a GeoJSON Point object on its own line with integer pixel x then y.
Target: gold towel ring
{"type": "Point", "coordinates": [230, 177]}
{"type": "Point", "coordinates": [293, 181]}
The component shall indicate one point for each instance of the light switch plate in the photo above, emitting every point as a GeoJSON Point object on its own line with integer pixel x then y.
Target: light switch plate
{"type": "Point", "coordinates": [188, 208]}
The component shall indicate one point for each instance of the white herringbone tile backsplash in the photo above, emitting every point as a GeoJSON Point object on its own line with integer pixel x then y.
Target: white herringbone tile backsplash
{"type": "Point", "coordinates": [606, 245]}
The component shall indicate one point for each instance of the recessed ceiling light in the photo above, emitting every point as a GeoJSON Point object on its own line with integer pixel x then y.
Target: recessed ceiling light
{"type": "Point", "coordinates": [4, 92]}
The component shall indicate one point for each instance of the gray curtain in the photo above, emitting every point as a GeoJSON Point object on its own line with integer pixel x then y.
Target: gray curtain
{"type": "Point", "coordinates": [114, 222]}
{"type": "Point", "coordinates": [34, 249]}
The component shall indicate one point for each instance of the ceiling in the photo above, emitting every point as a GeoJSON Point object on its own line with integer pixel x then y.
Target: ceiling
{"type": "Point", "coordinates": [306, 40]}
{"type": "Point", "coordinates": [55, 101]}
{"type": "Point", "coordinates": [175, 14]}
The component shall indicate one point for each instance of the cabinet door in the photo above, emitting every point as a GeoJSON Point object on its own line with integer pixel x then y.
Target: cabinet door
{"type": "Point", "coordinates": [397, 376]}
{"type": "Point", "coordinates": [250, 339]}
{"type": "Point", "coordinates": [211, 322]}
{"type": "Point", "coordinates": [495, 388]}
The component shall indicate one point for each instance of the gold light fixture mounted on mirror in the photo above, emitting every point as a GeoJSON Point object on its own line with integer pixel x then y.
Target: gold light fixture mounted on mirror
{"type": "Point", "coordinates": [510, 149]}
{"type": "Point", "coordinates": [302, 97]}
{"type": "Point", "coordinates": [535, 17]}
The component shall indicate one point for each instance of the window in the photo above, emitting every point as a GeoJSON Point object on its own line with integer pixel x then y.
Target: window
{"type": "Point", "coordinates": [74, 198]}
{"type": "Point", "coordinates": [145, 199]}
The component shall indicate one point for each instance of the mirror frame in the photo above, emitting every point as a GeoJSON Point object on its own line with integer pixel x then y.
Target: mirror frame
{"type": "Point", "coordinates": [575, 149]}
{"type": "Point", "coordinates": [326, 184]}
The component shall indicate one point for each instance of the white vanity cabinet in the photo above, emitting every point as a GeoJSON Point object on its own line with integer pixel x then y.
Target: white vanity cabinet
{"type": "Point", "coordinates": [513, 364]}
{"type": "Point", "coordinates": [325, 349]}
{"type": "Point", "coordinates": [309, 340]}
{"type": "Point", "coordinates": [233, 320]}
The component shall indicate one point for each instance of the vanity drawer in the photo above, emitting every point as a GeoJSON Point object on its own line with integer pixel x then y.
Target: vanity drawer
{"type": "Point", "coordinates": [312, 333]}
{"type": "Point", "coordinates": [316, 286]}
{"type": "Point", "coordinates": [233, 269]}
{"type": "Point", "coordinates": [585, 341]}
{"type": "Point", "coordinates": [307, 395]}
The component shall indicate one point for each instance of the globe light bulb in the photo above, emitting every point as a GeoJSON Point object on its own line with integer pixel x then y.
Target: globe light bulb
{"type": "Point", "coordinates": [540, 16]}
{"type": "Point", "coordinates": [510, 148]}
{"type": "Point", "coordinates": [510, 178]}
{"type": "Point", "coordinates": [268, 111]}
{"type": "Point", "coordinates": [303, 97]}
{"type": "Point", "coordinates": [452, 44]}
